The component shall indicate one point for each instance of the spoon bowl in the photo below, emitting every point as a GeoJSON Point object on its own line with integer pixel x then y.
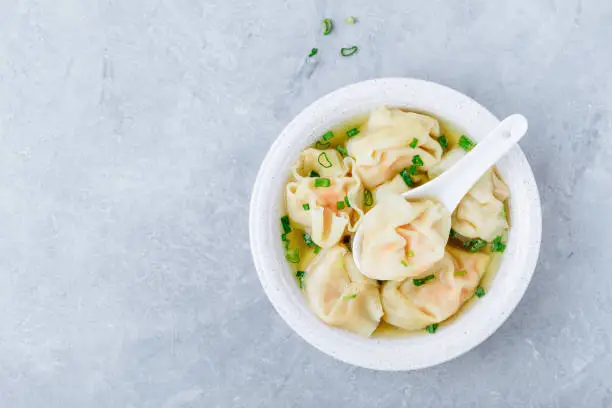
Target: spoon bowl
{"type": "Point", "coordinates": [451, 186]}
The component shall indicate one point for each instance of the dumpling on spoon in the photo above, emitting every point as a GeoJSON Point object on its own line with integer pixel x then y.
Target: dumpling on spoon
{"type": "Point", "coordinates": [403, 239]}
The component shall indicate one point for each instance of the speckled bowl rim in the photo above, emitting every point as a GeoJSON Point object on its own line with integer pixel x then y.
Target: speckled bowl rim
{"type": "Point", "coordinates": [472, 326]}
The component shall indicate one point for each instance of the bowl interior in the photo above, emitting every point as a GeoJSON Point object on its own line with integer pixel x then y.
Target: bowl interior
{"type": "Point", "coordinates": [473, 325]}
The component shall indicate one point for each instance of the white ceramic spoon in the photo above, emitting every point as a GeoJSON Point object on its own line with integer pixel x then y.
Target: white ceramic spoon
{"type": "Point", "coordinates": [451, 186]}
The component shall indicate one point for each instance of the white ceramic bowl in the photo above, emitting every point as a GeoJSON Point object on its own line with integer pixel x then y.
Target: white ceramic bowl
{"type": "Point", "coordinates": [411, 352]}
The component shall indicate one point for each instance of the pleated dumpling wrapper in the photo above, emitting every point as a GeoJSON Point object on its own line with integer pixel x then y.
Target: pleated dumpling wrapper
{"type": "Point", "coordinates": [390, 140]}
{"type": "Point", "coordinates": [326, 206]}
{"type": "Point", "coordinates": [454, 281]}
{"type": "Point", "coordinates": [402, 239]}
{"type": "Point", "coordinates": [340, 295]}
{"type": "Point", "coordinates": [481, 213]}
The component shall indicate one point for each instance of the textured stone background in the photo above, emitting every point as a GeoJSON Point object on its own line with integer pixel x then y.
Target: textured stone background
{"type": "Point", "coordinates": [131, 133]}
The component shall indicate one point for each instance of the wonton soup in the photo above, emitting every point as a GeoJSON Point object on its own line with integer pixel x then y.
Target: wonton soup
{"type": "Point", "coordinates": [422, 264]}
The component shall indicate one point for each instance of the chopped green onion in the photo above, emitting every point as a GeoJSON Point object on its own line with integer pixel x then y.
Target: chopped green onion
{"type": "Point", "coordinates": [406, 177]}
{"type": "Point", "coordinates": [404, 263]}
{"type": "Point", "coordinates": [293, 255]}
{"type": "Point", "coordinates": [346, 201]}
{"type": "Point", "coordinates": [414, 143]}
{"type": "Point", "coordinates": [322, 182]}
{"type": "Point", "coordinates": [342, 150]}
{"type": "Point", "coordinates": [322, 145]}
{"type": "Point", "coordinates": [324, 160]}
{"type": "Point", "coordinates": [348, 51]}
{"type": "Point", "coordinates": [443, 142]}
{"type": "Point", "coordinates": [431, 329]}
{"type": "Point", "coordinates": [306, 206]}
{"type": "Point", "coordinates": [465, 143]}
{"type": "Point", "coordinates": [340, 205]}
{"type": "Point", "coordinates": [417, 161]}
{"type": "Point", "coordinates": [284, 237]}
{"type": "Point", "coordinates": [352, 132]}
{"type": "Point", "coordinates": [502, 213]}
{"type": "Point", "coordinates": [300, 275]}
{"type": "Point", "coordinates": [452, 233]}
{"type": "Point", "coordinates": [350, 20]}
{"type": "Point", "coordinates": [422, 281]}
{"type": "Point", "coordinates": [313, 52]}
{"type": "Point", "coordinates": [461, 273]}
{"type": "Point", "coordinates": [314, 174]}
{"type": "Point", "coordinates": [285, 223]}
{"type": "Point", "coordinates": [410, 253]}
{"type": "Point", "coordinates": [412, 170]}
{"type": "Point", "coordinates": [308, 239]}
{"type": "Point", "coordinates": [480, 292]}
{"type": "Point", "coordinates": [368, 199]}
{"type": "Point", "coordinates": [328, 25]}
{"type": "Point", "coordinates": [475, 245]}
{"type": "Point", "coordinates": [497, 245]}
{"type": "Point", "coordinates": [317, 249]}
{"type": "Point", "coordinates": [328, 135]}
{"type": "Point", "coordinates": [349, 297]}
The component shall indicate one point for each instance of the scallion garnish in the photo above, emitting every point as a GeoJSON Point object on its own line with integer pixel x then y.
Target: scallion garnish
{"type": "Point", "coordinates": [342, 150]}
{"type": "Point", "coordinates": [308, 239]}
{"type": "Point", "coordinates": [350, 20]}
{"type": "Point", "coordinates": [410, 253]}
{"type": "Point", "coordinates": [431, 329]}
{"type": "Point", "coordinates": [368, 199]}
{"type": "Point", "coordinates": [340, 205]}
{"type": "Point", "coordinates": [322, 145]}
{"type": "Point", "coordinates": [328, 25]}
{"type": "Point", "coordinates": [349, 297]}
{"type": "Point", "coordinates": [452, 233]}
{"type": "Point", "coordinates": [314, 174]}
{"type": "Point", "coordinates": [416, 160]}
{"type": "Point", "coordinates": [313, 52]}
{"type": "Point", "coordinates": [443, 142]}
{"type": "Point", "coordinates": [480, 291]}
{"type": "Point", "coordinates": [306, 206]}
{"type": "Point", "coordinates": [352, 132]}
{"type": "Point", "coordinates": [322, 182]}
{"type": "Point", "coordinates": [317, 249]}
{"type": "Point", "coordinates": [284, 237]}
{"type": "Point", "coordinates": [475, 245]}
{"type": "Point", "coordinates": [412, 170]}
{"type": "Point", "coordinates": [404, 263]}
{"type": "Point", "coordinates": [465, 143]}
{"type": "Point", "coordinates": [414, 143]}
{"type": "Point", "coordinates": [346, 201]}
{"type": "Point", "coordinates": [324, 160]}
{"type": "Point", "coordinates": [461, 273]}
{"type": "Point", "coordinates": [422, 281]}
{"type": "Point", "coordinates": [300, 275]}
{"type": "Point", "coordinates": [406, 177]}
{"type": "Point", "coordinates": [348, 51]}
{"type": "Point", "coordinates": [327, 135]}
{"type": "Point", "coordinates": [293, 255]}
{"type": "Point", "coordinates": [285, 223]}
{"type": "Point", "coordinates": [497, 245]}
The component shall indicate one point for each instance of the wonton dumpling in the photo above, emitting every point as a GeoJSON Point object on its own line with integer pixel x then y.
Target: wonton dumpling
{"type": "Point", "coordinates": [403, 239]}
{"type": "Point", "coordinates": [481, 213]}
{"type": "Point", "coordinates": [328, 163]}
{"type": "Point", "coordinates": [382, 149]}
{"type": "Point", "coordinates": [413, 307]}
{"type": "Point", "coordinates": [340, 295]}
{"type": "Point", "coordinates": [448, 160]}
{"type": "Point", "coordinates": [325, 222]}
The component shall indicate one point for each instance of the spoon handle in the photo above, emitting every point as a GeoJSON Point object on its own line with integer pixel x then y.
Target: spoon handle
{"type": "Point", "coordinates": [482, 157]}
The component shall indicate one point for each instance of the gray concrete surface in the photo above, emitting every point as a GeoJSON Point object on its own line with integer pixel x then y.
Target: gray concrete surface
{"type": "Point", "coordinates": [130, 136]}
